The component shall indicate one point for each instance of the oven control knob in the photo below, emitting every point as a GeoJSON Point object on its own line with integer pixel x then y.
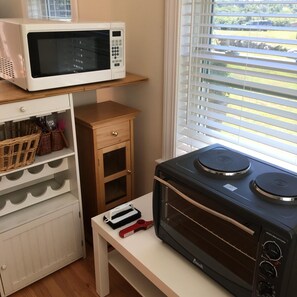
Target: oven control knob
{"type": "Point", "coordinates": [265, 290]}
{"type": "Point", "coordinates": [272, 250]}
{"type": "Point", "coordinates": [268, 269]}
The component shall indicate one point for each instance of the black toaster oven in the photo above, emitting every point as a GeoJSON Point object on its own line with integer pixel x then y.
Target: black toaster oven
{"type": "Point", "coordinates": [233, 216]}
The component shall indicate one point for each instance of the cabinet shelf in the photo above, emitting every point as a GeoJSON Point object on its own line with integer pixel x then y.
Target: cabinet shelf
{"type": "Point", "coordinates": [137, 280]}
{"type": "Point", "coordinates": [32, 195]}
{"type": "Point", "coordinates": [114, 176]}
{"type": "Point", "coordinates": [10, 92]}
{"type": "Point", "coordinates": [36, 211]}
{"type": "Point", "coordinates": [39, 160]}
{"type": "Point", "coordinates": [66, 152]}
{"type": "Point", "coordinates": [40, 170]}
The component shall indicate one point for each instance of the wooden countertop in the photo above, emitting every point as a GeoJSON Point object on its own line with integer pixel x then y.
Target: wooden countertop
{"type": "Point", "coordinates": [95, 114]}
{"type": "Point", "coordinates": [12, 93]}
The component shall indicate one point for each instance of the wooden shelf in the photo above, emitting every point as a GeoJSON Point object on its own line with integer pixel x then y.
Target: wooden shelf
{"type": "Point", "coordinates": [136, 279]}
{"type": "Point", "coordinates": [12, 93]}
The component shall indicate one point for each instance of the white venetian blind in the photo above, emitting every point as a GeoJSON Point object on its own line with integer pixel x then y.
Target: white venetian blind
{"type": "Point", "coordinates": [238, 76]}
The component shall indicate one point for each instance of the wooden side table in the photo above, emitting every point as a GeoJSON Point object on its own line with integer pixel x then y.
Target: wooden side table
{"type": "Point", "coordinates": [106, 156]}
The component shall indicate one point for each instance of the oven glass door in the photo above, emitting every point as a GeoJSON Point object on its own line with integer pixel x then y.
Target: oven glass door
{"type": "Point", "coordinates": [56, 53]}
{"type": "Point", "coordinates": [220, 238]}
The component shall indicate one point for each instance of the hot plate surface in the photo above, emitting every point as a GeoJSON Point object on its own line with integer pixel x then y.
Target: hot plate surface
{"type": "Point", "coordinates": [239, 187]}
{"type": "Point", "coordinates": [222, 161]}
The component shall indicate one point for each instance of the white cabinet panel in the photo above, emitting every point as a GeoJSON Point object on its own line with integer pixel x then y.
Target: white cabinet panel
{"type": "Point", "coordinates": [38, 248]}
{"type": "Point", "coordinates": [24, 109]}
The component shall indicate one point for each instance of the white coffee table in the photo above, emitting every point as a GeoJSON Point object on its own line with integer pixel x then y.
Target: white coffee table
{"type": "Point", "coordinates": [149, 265]}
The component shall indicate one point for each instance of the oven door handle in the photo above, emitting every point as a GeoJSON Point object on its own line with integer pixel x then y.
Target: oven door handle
{"type": "Point", "coordinates": [203, 207]}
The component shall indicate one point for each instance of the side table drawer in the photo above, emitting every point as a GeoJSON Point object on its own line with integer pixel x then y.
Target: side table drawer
{"type": "Point", "coordinates": [112, 134]}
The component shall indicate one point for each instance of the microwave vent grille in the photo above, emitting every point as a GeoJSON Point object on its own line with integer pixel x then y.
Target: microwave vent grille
{"type": "Point", "coordinates": [6, 68]}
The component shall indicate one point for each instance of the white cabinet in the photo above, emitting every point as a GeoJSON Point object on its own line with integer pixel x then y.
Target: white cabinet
{"type": "Point", "coordinates": [41, 228]}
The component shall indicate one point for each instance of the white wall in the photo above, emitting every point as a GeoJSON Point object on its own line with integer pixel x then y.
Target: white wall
{"type": "Point", "coordinates": [144, 43]}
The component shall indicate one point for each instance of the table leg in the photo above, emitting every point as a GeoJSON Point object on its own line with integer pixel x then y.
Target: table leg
{"type": "Point", "coordinates": [101, 264]}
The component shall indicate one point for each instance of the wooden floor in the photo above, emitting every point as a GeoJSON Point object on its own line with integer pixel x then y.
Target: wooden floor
{"type": "Point", "coordinates": [77, 280]}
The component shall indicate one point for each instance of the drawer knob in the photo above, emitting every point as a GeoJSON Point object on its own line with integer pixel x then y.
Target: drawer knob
{"type": "Point", "coordinates": [129, 171]}
{"type": "Point", "coordinates": [3, 267]}
{"type": "Point", "coordinates": [22, 109]}
{"type": "Point", "coordinates": [115, 133]}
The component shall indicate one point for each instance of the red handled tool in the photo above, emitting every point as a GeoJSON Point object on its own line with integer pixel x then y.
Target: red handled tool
{"type": "Point", "coordinates": [139, 225]}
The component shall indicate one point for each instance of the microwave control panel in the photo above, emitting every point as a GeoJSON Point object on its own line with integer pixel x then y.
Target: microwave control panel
{"type": "Point", "coordinates": [117, 48]}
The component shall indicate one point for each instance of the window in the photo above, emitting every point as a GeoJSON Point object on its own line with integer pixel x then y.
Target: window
{"type": "Point", "coordinates": [237, 76]}
{"type": "Point", "coordinates": [52, 9]}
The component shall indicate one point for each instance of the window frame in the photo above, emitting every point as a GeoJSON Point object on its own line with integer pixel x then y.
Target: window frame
{"type": "Point", "coordinates": [74, 9]}
{"type": "Point", "coordinates": [171, 35]}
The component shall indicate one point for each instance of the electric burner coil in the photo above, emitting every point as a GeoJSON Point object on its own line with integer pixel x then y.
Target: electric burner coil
{"type": "Point", "coordinates": [224, 162]}
{"type": "Point", "coordinates": [276, 186]}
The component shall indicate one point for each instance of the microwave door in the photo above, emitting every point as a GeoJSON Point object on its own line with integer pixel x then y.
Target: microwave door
{"type": "Point", "coordinates": [57, 53]}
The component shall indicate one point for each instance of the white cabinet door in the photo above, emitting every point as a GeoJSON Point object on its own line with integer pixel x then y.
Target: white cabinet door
{"type": "Point", "coordinates": [36, 249]}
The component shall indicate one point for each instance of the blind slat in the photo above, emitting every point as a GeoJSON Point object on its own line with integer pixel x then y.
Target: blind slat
{"type": "Point", "coordinates": [232, 135]}
{"type": "Point", "coordinates": [237, 49]}
{"type": "Point", "coordinates": [247, 27]}
{"type": "Point", "coordinates": [251, 2]}
{"type": "Point", "coordinates": [247, 120]}
{"type": "Point", "coordinates": [253, 116]}
{"type": "Point", "coordinates": [249, 38]}
{"type": "Point", "coordinates": [248, 132]}
{"type": "Point", "coordinates": [248, 73]}
{"type": "Point", "coordinates": [253, 85]}
{"type": "Point", "coordinates": [259, 14]}
{"type": "Point", "coordinates": [248, 94]}
{"type": "Point", "coordinates": [269, 64]}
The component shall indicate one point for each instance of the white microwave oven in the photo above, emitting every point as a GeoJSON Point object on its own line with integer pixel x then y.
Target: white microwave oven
{"type": "Point", "coordinates": [45, 54]}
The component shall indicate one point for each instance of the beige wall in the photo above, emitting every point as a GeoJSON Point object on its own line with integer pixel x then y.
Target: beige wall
{"type": "Point", "coordinates": [144, 55]}
{"type": "Point", "coordinates": [12, 8]}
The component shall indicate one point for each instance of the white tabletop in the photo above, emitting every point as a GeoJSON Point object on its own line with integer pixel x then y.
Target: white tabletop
{"type": "Point", "coordinates": [167, 269]}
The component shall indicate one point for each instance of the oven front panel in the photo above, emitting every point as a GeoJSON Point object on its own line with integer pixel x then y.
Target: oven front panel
{"type": "Point", "coordinates": [220, 235]}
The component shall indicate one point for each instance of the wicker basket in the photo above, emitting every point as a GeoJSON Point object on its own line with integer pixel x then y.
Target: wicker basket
{"type": "Point", "coordinates": [51, 141]}
{"type": "Point", "coordinates": [57, 140]}
{"type": "Point", "coordinates": [45, 144]}
{"type": "Point", "coordinates": [19, 151]}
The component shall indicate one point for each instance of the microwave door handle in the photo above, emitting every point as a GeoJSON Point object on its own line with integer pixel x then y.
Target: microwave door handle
{"type": "Point", "coordinates": [203, 207]}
